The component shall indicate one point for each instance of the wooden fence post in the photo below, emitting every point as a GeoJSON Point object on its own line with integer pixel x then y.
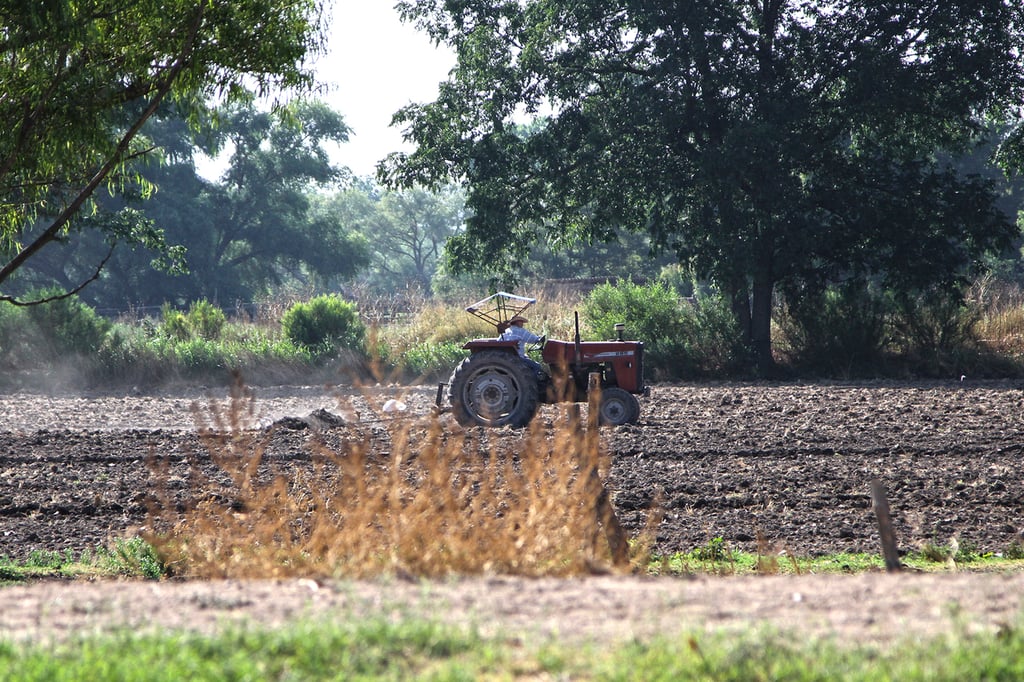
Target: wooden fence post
{"type": "Point", "coordinates": [881, 505]}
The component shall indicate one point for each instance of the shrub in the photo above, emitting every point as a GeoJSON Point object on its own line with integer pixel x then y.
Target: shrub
{"type": "Point", "coordinates": [206, 319]}
{"type": "Point", "coordinates": [432, 360]}
{"type": "Point", "coordinates": [1014, 551]}
{"type": "Point", "coordinates": [1000, 306]}
{"type": "Point", "coordinates": [201, 355]}
{"type": "Point", "coordinates": [436, 323]}
{"type": "Point", "coordinates": [839, 330]}
{"type": "Point", "coordinates": [679, 278]}
{"type": "Point", "coordinates": [681, 340]}
{"type": "Point", "coordinates": [59, 337]}
{"type": "Point", "coordinates": [12, 331]}
{"type": "Point", "coordinates": [203, 319]}
{"type": "Point", "coordinates": [427, 344]}
{"type": "Point", "coordinates": [72, 325]}
{"type": "Point", "coordinates": [173, 323]}
{"type": "Point", "coordinates": [651, 312]}
{"type": "Point", "coordinates": [434, 507]}
{"type": "Point", "coordinates": [131, 355]}
{"type": "Point", "coordinates": [935, 330]}
{"type": "Point", "coordinates": [132, 557]}
{"type": "Point", "coordinates": [714, 550]}
{"type": "Point", "coordinates": [712, 341]}
{"type": "Point", "coordinates": [325, 321]}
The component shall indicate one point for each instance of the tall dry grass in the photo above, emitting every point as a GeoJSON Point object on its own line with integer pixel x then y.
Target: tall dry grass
{"type": "Point", "coordinates": [1001, 316]}
{"type": "Point", "coordinates": [439, 501]}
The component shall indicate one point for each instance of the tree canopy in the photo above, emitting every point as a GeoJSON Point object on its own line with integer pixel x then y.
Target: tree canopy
{"type": "Point", "coordinates": [80, 79]}
{"type": "Point", "coordinates": [406, 231]}
{"type": "Point", "coordinates": [770, 144]}
{"type": "Point", "coordinates": [259, 227]}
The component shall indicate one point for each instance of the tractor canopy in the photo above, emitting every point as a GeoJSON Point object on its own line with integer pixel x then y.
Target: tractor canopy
{"type": "Point", "coordinates": [499, 308]}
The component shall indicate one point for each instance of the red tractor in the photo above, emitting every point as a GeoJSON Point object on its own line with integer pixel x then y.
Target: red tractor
{"type": "Point", "coordinates": [495, 386]}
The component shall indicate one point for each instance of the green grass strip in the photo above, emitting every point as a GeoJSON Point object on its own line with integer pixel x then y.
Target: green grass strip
{"type": "Point", "coordinates": [381, 650]}
{"type": "Point", "coordinates": [373, 650]}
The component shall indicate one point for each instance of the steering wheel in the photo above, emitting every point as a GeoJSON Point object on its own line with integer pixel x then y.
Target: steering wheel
{"type": "Point", "coordinates": [538, 344]}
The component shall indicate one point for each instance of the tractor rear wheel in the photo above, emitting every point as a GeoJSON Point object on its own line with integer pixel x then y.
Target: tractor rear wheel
{"type": "Point", "coordinates": [493, 388]}
{"type": "Point", "coordinates": [618, 406]}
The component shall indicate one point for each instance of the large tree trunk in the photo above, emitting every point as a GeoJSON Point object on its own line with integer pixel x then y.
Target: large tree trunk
{"type": "Point", "coordinates": [761, 320]}
{"type": "Point", "coordinates": [738, 295]}
{"type": "Point", "coordinates": [739, 301]}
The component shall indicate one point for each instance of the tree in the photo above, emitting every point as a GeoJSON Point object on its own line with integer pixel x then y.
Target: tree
{"type": "Point", "coordinates": [266, 229]}
{"type": "Point", "coordinates": [406, 230]}
{"type": "Point", "coordinates": [81, 79]}
{"type": "Point", "coordinates": [260, 226]}
{"type": "Point", "coordinates": [626, 256]}
{"type": "Point", "coordinates": [414, 228]}
{"type": "Point", "coordinates": [778, 142]}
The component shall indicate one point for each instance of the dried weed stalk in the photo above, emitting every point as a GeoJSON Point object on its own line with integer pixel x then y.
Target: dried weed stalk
{"type": "Point", "coordinates": [528, 502]}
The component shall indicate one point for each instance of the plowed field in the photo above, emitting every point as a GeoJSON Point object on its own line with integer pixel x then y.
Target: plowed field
{"type": "Point", "coordinates": [788, 463]}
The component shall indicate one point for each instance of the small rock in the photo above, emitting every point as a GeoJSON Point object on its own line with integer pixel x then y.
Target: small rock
{"type": "Point", "coordinates": [393, 405]}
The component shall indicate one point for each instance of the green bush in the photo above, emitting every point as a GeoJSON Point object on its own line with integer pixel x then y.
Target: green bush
{"type": "Point", "coordinates": [146, 353]}
{"type": "Point", "coordinates": [679, 279]}
{"type": "Point", "coordinates": [842, 331]}
{"type": "Point", "coordinates": [681, 339]}
{"type": "Point", "coordinates": [935, 330]}
{"type": "Point", "coordinates": [432, 360]}
{"type": "Point", "coordinates": [712, 341]}
{"type": "Point", "coordinates": [45, 334]}
{"type": "Point", "coordinates": [202, 355]}
{"type": "Point", "coordinates": [206, 319]}
{"type": "Point", "coordinates": [174, 324]}
{"type": "Point", "coordinates": [203, 320]}
{"type": "Point", "coordinates": [70, 325]}
{"type": "Point", "coordinates": [651, 313]}
{"type": "Point", "coordinates": [328, 322]}
{"type": "Point", "coordinates": [132, 557]}
{"type": "Point", "coordinates": [130, 356]}
{"type": "Point", "coordinates": [12, 332]}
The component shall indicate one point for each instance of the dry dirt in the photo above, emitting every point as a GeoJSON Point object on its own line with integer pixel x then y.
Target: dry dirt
{"type": "Point", "coordinates": [790, 463]}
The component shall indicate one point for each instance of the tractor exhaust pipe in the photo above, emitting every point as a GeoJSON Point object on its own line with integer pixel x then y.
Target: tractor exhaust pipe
{"type": "Point", "coordinates": [620, 330]}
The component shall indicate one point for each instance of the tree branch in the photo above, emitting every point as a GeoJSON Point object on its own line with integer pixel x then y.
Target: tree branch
{"type": "Point", "coordinates": [162, 89]}
{"type": "Point", "coordinates": [67, 294]}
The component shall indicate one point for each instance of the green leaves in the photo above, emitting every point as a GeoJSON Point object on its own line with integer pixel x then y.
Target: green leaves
{"type": "Point", "coordinates": [81, 78]}
{"type": "Point", "coordinates": [762, 142]}
{"type": "Point", "coordinates": [324, 323]}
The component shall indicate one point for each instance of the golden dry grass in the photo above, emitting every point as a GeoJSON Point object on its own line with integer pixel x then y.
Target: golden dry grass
{"type": "Point", "coordinates": [1000, 325]}
{"type": "Point", "coordinates": [441, 502]}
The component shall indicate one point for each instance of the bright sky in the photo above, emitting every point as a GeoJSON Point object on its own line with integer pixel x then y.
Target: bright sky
{"type": "Point", "coordinates": [375, 65]}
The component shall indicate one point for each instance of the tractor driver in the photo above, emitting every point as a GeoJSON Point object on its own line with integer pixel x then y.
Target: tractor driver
{"type": "Point", "coordinates": [521, 335]}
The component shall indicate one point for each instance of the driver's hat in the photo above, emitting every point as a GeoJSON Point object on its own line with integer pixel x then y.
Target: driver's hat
{"type": "Point", "coordinates": [516, 319]}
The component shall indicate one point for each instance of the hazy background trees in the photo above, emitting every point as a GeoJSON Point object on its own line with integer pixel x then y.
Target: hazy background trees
{"type": "Point", "coordinates": [256, 230]}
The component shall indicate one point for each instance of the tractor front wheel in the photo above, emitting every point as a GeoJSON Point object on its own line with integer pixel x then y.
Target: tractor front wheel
{"type": "Point", "coordinates": [618, 406]}
{"type": "Point", "coordinates": [493, 388]}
